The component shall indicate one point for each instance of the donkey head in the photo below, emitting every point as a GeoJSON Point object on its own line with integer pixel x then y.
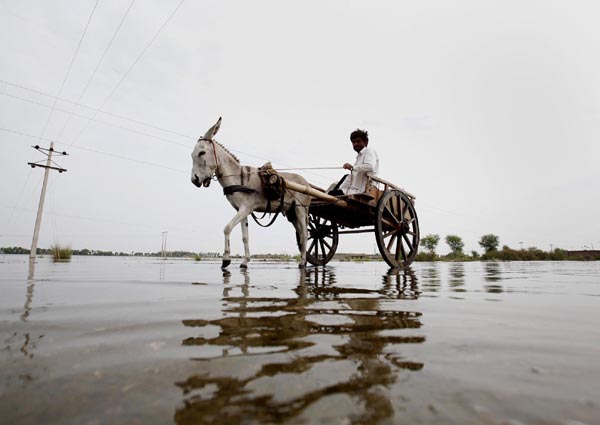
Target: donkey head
{"type": "Point", "coordinates": [204, 163]}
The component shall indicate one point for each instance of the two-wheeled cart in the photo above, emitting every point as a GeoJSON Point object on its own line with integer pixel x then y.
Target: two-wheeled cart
{"type": "Point", "coordinates": [384, 209]}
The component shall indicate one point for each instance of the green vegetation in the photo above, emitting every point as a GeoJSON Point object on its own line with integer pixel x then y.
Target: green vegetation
{"type": "Point", "coordinates": [430, 242]}
{"type": "Point", "coordinates": [529, 254]}
{"type": "Point", "coordinates": [456, 245]}
{"type": "Point", "coordinates": [61, 253]}
{"type": "Point", "coordinates": [489, 242]}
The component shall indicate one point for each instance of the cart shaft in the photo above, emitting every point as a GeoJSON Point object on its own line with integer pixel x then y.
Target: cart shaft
{"type": "Point", "coordinates": [315, 193]}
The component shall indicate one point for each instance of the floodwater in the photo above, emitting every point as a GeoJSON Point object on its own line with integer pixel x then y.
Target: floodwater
{"type": "Point", "coordinates": [146, 341]}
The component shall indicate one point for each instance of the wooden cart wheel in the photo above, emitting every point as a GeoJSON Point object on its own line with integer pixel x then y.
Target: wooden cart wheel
{"type": "Point", "coordinates": [322, 240]}
{"type": "Point", "coordinates": [397, 229]}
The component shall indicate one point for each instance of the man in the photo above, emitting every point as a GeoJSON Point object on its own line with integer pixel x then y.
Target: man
{"type": "Point", "coordinates": [367, 162]}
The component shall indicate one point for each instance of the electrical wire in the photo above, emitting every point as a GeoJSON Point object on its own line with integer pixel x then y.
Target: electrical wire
{"type": "Point", "coordinates": [12, 212]}
{"type": "Point", "coordinates": [129, 70]}
{"type": "Point", "coordinates": [102, 220]}
{"type": "Point", "coordinates": [185, 145]}
{"type": "Point", "coordinates": [19, 133]}
{"type": "Point", "coordinates": [69, 68]}
{"type": "Point", "coordinates": [29, 89]}
{"type": "Point", "coordinates": [96, 68]}
{"type": "Point", "coordinates": [99, 110]}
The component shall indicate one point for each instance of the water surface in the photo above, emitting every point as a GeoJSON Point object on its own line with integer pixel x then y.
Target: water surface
{"type": "Point", "coordinates": [132, 340]}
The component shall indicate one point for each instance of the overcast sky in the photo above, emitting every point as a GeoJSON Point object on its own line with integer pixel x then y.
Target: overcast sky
{"type": "Point", "coordinates": [487, 111]}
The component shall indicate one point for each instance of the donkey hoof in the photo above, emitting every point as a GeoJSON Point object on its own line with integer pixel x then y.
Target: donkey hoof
{"type": "Point", "coordinates": [225, 264]}
{"type": "Point", "coordinates": [243, 266]}
{"type": "Point", "coordinates": [301, 266]}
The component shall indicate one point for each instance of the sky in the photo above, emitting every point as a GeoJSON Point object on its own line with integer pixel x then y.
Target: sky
{"type": "Point", "coordinates": [487, 111]}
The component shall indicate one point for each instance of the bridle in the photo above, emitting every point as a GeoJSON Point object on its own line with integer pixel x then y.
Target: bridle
{"type": "Point", "coordinates": [214, 154]}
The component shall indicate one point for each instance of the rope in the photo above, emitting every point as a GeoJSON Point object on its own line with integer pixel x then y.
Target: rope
{"type": "Point", "coordinates": [310, 168]}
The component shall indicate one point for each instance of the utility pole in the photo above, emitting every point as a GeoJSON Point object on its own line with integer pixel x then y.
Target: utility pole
{"type": "Point", "coordinates": [521, 245]}
{"type": "Point", "coordinates": [163, 248]}
{"type": "Point", "coordinates": [48, 166]}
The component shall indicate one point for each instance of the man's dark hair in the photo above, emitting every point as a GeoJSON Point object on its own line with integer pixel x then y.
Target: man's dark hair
{"type": "Point", "coordinates": [360, 134]}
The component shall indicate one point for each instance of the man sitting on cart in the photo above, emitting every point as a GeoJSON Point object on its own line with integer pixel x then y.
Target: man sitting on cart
{"type": "Point", "coordinates": [367, 163]}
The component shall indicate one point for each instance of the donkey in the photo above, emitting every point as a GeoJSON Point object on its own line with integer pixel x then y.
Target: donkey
{"type": "Point", "coordinates": [243, 189]}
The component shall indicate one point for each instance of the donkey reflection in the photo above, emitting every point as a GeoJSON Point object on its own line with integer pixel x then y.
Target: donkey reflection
{"type": "Point", "coordinates": [283, 354]}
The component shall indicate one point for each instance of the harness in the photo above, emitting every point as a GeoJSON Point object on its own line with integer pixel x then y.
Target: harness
{"type": "Point", "coordinates": [273, 186]}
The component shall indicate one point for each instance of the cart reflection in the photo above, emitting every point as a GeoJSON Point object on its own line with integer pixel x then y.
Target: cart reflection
{"type": "Point", "coordinates": [278, 359]}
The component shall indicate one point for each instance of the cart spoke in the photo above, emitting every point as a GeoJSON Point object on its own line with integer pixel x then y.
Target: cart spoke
{"type": "Point", "coordinates": [399, 206]}
{"type": "Point", "coordinates": [322, 247]}
{"type": "Point", "coordinates": [312, 245]}
{"type": "Point", "coordinates": [391, 242]}
{"type": "Point", "coordinates": [392, 215]}
{"type": "Point", "coordinates": [388, 234]}
{"type": "Point", "coordinates": [408, 242]}
{"type": "Point", "coordinates": [326, 244]}
{"type": "Point", "coordinates": [400, 251]}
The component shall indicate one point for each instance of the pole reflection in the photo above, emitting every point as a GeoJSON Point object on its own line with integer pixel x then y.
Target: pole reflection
{"type": "Point", "coordinates": [29, 342]}
{"type": "Point", "coordinates": [280, 356]}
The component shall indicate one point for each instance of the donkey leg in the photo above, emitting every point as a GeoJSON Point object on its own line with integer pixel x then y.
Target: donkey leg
{"type": "Point", "coordinates": [241, 214]}
{"type": "Point", "coordinates": [245, 239]}
{"type": "Point", "coordinates": [301, 225]}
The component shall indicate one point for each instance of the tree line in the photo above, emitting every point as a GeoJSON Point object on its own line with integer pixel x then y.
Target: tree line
{"type": "Point", "coordinates": [490, 243]}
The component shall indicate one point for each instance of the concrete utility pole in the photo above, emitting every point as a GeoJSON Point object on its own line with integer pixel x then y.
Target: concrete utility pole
{"type": "Point", "coordinates": [38, 220]}
{"type": "Point", "coordinates": [163, 248]}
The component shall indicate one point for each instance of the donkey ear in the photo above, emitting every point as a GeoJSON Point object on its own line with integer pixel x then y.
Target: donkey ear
{"type": "Point", "coordinates": [213, 130]}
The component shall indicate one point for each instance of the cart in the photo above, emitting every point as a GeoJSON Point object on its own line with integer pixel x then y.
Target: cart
{"type": "Point", "coordinates": [384, 209]}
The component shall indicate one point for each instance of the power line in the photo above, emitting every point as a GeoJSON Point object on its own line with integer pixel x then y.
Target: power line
{"type": "Point", "coordinates": [19, 133]}
{"type": "Point", "coordinates": [100, 220]}
{"type": "Point", "coordinates": [97, 67]}
{"type": "Point", "coordinates": [135, 121]}
{"type": "Point", "coordinates": [187, 136]}
{"type": "Point", "coordinates": [131, 67]}
{"type": "Point", "coordinates": [70, 67]}
{"type": "Point", "coordinates": [96, 120]}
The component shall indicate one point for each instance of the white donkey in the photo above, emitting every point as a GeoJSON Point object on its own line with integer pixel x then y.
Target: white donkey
{"type": "Point", "coordinates": [243, 188]}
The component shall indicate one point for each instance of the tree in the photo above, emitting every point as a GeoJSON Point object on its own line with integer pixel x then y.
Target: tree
{"type": "Point", "coordinates": [489, 242]}
{"type": "Point", "coordinates": [430, 242]}
{"type": "Point", "coordinates": [455, 243]}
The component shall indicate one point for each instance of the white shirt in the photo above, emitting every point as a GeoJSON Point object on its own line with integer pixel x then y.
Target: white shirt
{"type": "Point", "coordinates": [367, 163]}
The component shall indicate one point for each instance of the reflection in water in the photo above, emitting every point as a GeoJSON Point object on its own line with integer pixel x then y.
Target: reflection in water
{"type": "Point", "coordinates": [430, 281]}
{"type": "Point", "coordinates": [281, 356]}
{"type": "Point", "coordinates": [493, 274]}
{"type": "Point", "coordinates": [28, 300]}
{"type": "Point", "coordinates": [29, 342]}
{"type": "Point", "coordinates": [457, 277]}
